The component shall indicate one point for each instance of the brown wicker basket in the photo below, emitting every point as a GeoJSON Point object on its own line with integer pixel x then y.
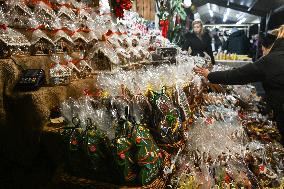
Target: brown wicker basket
{"type": "Point", "coordinates": [66, 181]}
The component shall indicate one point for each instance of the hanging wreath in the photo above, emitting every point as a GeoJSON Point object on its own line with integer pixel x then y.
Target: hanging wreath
{"type": "Point", "coordinates": [118, 7]}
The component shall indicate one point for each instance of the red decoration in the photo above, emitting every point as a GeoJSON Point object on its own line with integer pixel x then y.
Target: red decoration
{"type": "Point", "coordinates": [119, 6]}
{"type": "Point", "coordinates": [209, 121]}
{"type": "Point", "coordinates": [92, 148]}
{"type": "Point", "coordinates": [178, 19]}
{"type": "Point", "coordinates": [34, 2]}
{"type": "Point", "coordinates": [165, 27]}
{"type": "Point", "coordinates": [261, 168]}
{"type": "Point", "coordinates": [241, 115]}
{"type": "Point", "coordinates": [87, 92]}
{"type": "Point", "coordinates": [34, 29]}
{"type": "Point", "coordinates": [68, 5]}
{"type": "Point", "coordinates": [122, 156]}
{"type": "Point", "coordinates": [227, 179]}
{"type": "Point", "coordinates": [138, 140]}
{"type": "Point", "coordinates": [109, 33]}
{"type": "Point", "coordinates": [3, 26]}
{"type": "Point", "coordinates": [74, 142]}
{"type": "Point", "coordinates": [67, 31]}
{"type": "Point", "coordinates": [98, 93]}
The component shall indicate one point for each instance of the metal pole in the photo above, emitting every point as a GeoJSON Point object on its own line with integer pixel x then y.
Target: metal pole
{"type": "Point", "coordinates": [267, 21]}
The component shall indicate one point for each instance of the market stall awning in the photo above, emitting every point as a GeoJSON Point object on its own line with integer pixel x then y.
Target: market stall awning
{"type": "Point", "coordinates": [218, 12]}
{"type": "Point", "coordinates": [250, 7]}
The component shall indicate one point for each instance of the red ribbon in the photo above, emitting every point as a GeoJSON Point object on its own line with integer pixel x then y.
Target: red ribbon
{"type": "Point", "coordinates": [69, 32]}
{"type": "Point", "coordinates": [34, 2]}
{"type": "Point", "coordinates": [165, 27]}
{"type": "Point", "coordinates": [85, 30]}
{"type": "Point", "coordinates": [52, 66]}
{"type": "Point", "coordinates": [110, 33]}
{"type": "Point", "coordinates": [3, 26]}
{"type": "Point", "coordinates": [75, 61]}
{"type": "Point", "coordinates": [38, 27]}
{"type": "Point", "coordinates": [62, 29]}
{"type": "Point", "coordinates": [68, 5]}
{"type": "Point", "coordinates": [87, 92]}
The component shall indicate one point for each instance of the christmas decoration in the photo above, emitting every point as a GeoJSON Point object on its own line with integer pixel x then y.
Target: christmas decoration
{"type": "Point", "coordinates": [118, 7]}
{"type": "Point", "coordinates": [59, 74]}
{"type": "Point", "coordinates": [166, 118]}
{"type": "Point", "coordinates": [122, 148]}
{"type": "Point", "coordinates": [149, 157]}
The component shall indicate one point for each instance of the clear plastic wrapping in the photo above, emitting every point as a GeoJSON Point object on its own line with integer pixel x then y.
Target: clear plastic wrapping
{"type": "Point", "coordinates": [59, 74]}
{"type": "Point", "coordinates": [154, 77]}
{"type": "Point", "coordinates": [18, 14]}
{"type": "Point", "coordinates": [66, 13]}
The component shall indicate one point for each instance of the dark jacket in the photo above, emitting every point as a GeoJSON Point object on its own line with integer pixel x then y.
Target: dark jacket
{"type": "Point", "coordinates": [237, 43]}
{"type": "Point", "coordinates": [269, 70]}
{"type": "Point", "coordinates": [198, 46]}
{"type": "Point", "coordinates": [217, 42]}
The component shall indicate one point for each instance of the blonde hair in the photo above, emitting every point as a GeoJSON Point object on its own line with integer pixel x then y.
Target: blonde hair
{"type": "Point", "coordinates": [279, 32]}
{"type": "Point", "coordinates": [198, 21]}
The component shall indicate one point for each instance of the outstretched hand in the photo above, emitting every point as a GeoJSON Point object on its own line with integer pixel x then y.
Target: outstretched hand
{"type": "Point", "coordinates": [202, 71]}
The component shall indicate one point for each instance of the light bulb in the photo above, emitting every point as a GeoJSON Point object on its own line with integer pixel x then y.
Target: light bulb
{"type": "Point", "coordinates": [187, 3]}
{"type": "Point", "coordinates": [211, 13]}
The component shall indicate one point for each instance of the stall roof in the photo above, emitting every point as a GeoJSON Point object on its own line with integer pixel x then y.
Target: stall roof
{"type": "Point", "coordinates": [251, 8]}
{"type": "Point", "coordinates": [218, 15]}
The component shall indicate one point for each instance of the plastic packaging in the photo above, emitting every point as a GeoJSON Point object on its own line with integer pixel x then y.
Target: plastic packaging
{"type": "Point", "coordinates": [59, 74]}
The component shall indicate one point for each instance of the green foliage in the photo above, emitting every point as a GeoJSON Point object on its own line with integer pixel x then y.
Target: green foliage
{"type": "Point", "coordinates": [176, 7]}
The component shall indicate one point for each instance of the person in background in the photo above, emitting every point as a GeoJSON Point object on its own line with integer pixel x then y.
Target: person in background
{"type": "Point", "coordinates": [223, 37]}
{"type": "Point", "coordinates": [269, 70]}
{"type": "Point", "coordinates": [255, 47]}
{"type": "Point", "coordinates": [216, 39]}
{"type": "Point", "coordinates": [237, 42]}
{"type": "Point", "coordinates": [198, 41]}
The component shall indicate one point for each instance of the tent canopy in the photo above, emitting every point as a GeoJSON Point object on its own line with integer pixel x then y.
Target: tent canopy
{"type": "Point", "coordinates": [238, 9]}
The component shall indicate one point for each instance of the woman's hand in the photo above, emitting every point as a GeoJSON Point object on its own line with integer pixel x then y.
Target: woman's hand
{"type": "Point", "coordinates": [202, 71]}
